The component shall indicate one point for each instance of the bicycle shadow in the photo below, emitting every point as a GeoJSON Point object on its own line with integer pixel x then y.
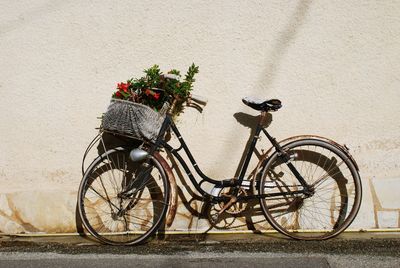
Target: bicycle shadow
{"type": "Point", "coordinates": [285, 210]}
{"type": "Point", "coordinates": [250, 121]}
{"type": "Point", "coordinates": [189, 199]}
{"type": "Point", "coordinates": [251, 216]}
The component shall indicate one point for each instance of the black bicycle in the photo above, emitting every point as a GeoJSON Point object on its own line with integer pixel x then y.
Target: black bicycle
{"type": "Point", "coordinates": [308, 187]}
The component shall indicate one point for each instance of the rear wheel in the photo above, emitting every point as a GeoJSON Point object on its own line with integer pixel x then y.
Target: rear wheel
{"type": "Point", "coordinates": [335, 196]}
{"type": "Point", "coordinates": [111, 213]}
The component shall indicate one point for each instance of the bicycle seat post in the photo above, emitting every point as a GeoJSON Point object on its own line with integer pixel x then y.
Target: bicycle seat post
{"type": "Point", "coordinates": [263, 118]}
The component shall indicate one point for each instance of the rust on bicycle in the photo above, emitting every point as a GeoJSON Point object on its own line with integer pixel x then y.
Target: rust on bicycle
{"type": "Point", "coordinates": [174, 194]}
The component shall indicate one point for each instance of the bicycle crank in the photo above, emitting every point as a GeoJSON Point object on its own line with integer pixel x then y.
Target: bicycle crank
{"type": "Point", "coordinates": [219, 218]}
{"type": "Point", "coordinates": [227, 205]}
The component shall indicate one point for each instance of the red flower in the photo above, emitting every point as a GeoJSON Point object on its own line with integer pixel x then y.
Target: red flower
{"type": "Point", "coordinates": [150, 92]}
{"type": "Point", "coordinates": [118, 94]}
{"type": "Point", "coordinates": [123, 86]}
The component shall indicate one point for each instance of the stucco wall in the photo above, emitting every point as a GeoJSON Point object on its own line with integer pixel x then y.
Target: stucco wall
{"type": "Point", "coordinates": [334, 64]}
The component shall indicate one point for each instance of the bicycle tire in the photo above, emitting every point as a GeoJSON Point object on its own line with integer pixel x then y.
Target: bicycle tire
{"type": "Point", "coordinates": [337, 191]}
{"type": "Point", "coordinates": [117, 220]}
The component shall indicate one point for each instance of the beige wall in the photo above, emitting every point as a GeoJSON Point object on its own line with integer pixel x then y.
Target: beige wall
{"type": "Point", "coordinates": [334, 64]}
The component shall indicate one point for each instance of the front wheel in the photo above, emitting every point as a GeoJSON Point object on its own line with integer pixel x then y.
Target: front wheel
{"type": "Point", "coordinates": [332, 202]}
{"type": "Point", "coordinates": [122, 202]}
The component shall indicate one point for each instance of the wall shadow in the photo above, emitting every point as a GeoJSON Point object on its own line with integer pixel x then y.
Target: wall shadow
{"type": "Point", "coordinates": [282, 43]}
{"type": "Point", "coordinates": [279, 49]}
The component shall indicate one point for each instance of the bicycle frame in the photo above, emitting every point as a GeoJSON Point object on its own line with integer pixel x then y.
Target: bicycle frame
{"type": "Point", "coordinates": [281, 190]}
{"type": "Point", "coordinates": [169, 124]}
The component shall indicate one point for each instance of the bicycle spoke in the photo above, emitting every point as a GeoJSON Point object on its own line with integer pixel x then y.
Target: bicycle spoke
{"type": "Point", "coordinates": [116, 220]}
{"type": "Point", "coordinates": [328, 208]}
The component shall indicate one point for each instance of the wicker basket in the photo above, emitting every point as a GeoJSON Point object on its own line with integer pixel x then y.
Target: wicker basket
{"type": "Point", "coordinates": [133, 119]}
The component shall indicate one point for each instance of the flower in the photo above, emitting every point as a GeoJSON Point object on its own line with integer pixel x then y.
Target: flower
{"type": "Point", "coordinates": [150, 92]}
{"type": "Point", "coordinates": [123, 86]}
{"type": "Point", "coordinates": [172, 76]}
{"type": "Point", "coordinates": [155, 88]}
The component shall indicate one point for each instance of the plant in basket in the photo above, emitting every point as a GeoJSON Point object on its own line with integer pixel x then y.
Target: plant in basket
{"type": "Point", "coordinates": [156, 88]}
{"type": "Point", "coordinates": [137, 108]}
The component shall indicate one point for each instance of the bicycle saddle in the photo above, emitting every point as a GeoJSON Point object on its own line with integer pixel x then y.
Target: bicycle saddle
{"type": "Point", "coordinates": [263, 105]}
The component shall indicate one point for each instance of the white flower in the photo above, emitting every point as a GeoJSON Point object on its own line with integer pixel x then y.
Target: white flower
{"type": "Point", "coordinates": [172, 76]}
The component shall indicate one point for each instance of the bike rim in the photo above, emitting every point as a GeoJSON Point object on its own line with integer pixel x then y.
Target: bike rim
{"type": "Point", "coordinates": [100, 205]}
{"type": "Point", "coordinates": [331, 208]}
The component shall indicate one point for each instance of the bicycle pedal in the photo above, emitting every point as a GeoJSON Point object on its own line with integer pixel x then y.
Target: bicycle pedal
{"type": "Point", "coordinates": [228, 205]}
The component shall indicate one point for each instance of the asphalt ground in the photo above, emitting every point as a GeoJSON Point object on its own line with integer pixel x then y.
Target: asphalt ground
{"type": "Point", "coordinates": [235, 250]}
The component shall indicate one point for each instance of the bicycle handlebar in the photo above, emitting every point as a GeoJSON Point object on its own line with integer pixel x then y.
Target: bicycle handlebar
{"type": "Point", "coordinates": [199, 99]}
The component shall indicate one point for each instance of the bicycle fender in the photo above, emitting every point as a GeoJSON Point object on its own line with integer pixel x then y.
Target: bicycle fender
{"type": "Point", "coordinates": [284, 142]}
{"type": "Point", "coordinates": [173, 206]}
{"type": "Point", "coordinates": [171, 178]}
{"type": "Point", "coordinates": [343, 148]}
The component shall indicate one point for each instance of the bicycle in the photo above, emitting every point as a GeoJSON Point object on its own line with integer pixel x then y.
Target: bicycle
{"type": "Point", "coordinates": [308, 187]}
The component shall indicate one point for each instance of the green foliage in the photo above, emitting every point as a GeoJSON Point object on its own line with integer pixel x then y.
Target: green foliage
{"type": "Point", "coordinates": [153, 76]}
{"type": "Point", "coordinates": [174, 71]}
{"type": "Point", "coordinates": [155, 88]}
{"type": "Point", "coordinates": [193, 69]}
